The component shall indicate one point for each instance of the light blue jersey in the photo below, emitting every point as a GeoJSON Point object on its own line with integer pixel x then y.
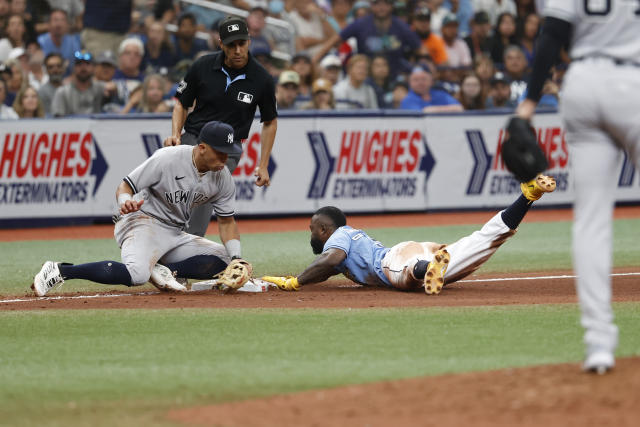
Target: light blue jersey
{"type": "Point", "coordinates": [364, 256]}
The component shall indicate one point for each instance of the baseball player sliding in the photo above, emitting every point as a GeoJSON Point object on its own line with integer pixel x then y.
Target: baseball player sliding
{"type": "Point", "coordinates": [155, 202]}
{"type": "Point", "coordinates": [600, 106]}
{"type": "Point", "coordinates": [408, 265]}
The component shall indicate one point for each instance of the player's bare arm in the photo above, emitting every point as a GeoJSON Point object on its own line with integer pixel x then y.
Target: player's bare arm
{"type": "Point", "coordinates": [126, 203]}
{"type": "Point", "coordinates": [323, 267]}
{"type": "Point", "coordinates": [178, 117]}
{"type": "Point", "coordinates": [267, 138]}
{"type": "Point", "coordinates": [228, 229]}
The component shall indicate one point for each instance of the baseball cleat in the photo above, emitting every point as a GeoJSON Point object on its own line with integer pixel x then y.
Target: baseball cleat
{"type": "Point", "coordinates": [47, 279]}
{"type": "Point", "coordinates": [434, 278]}
{"type": "Point", "coordinates": [162, 279]}
{"type": "Point", "coordinates": [535, 188]}
{"type": "Point", "coordinates": [599, 362]}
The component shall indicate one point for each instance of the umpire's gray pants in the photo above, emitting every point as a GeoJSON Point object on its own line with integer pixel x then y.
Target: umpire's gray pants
{"type": "Point", "coordinates": [201, 215]}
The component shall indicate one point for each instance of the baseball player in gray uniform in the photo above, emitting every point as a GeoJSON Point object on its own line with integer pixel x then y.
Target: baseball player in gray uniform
{"type": "Point", "coordinates": [600, 105]}
{"type": "Point", "coordinates": [155, 202]}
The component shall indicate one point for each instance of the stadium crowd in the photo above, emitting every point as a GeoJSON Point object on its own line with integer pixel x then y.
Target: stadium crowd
{"type": "Point", "coordinates": [73, 57]}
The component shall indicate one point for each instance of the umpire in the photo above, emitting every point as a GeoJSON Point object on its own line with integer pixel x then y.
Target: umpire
{"type": "Point", "coordinates": [226, 86]}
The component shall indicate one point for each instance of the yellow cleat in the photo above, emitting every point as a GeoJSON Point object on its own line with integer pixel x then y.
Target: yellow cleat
{"type": "Point", "coordinates": [434, 278]}
{"type": "Point", "coordinates": [535, 188]}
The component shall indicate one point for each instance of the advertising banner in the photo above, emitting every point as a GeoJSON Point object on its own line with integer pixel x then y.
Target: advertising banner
{"type": "Point", "coordinates": [369, 162]}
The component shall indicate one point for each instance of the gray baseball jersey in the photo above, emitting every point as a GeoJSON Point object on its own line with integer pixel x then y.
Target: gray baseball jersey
{"type": "Point", "coordinates": [600, 27]}
{"type": "Point", "coordinates": [171, 186]}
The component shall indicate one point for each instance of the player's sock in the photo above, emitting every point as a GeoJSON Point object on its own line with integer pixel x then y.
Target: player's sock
{"type": "Point", "coordinates": [198, 267]}
{"type": "Point", "coordinates": [513, 215]}
{"type": "Point", "coordinates": [106, 272]}
{"type": "Point", "coordinates": [420, 269]}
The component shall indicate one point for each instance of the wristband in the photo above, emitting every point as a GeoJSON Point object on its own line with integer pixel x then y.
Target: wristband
{"type": "Point", "coordinates": [233, 248]}
{"type": "Point", "coordinates": [123, 197]}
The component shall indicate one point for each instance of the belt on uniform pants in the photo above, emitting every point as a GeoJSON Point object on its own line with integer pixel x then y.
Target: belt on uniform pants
{"type": "Point", "coordinates": [617, 61]}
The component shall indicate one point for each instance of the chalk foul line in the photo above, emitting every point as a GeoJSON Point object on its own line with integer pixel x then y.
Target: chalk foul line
{"type": "Point", "coordinates": [498, 279]}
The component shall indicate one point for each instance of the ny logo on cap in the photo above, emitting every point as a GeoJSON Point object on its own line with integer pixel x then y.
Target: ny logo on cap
{"type": "Point", "coordinates": [233, 27]}
{"type": "Point", "coordinates": [230, 138]}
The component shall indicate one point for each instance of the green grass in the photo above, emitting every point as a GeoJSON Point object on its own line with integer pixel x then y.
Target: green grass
{"type": "Point", "coordinates": [127, 367]}
{"type": "Point", "coordinates": [536, 247]}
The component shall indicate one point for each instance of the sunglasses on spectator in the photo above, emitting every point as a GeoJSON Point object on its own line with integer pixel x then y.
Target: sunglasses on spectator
{"type": "Point", "coordinates": [83, 56]}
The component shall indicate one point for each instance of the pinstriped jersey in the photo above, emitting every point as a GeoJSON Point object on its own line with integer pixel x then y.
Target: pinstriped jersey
{"type": "Point", "coordinates": [601, 27]}
{"type": "Point", "coordinates": [170, 186]}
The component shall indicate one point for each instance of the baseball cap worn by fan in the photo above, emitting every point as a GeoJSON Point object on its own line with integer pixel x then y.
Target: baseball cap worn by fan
{"type": "Point", "coordinates": [219, 136]}
{"type": "Point", "coordinates": [232, 29]}
{"type": "Point", "coordinates": [498, 77]}
{"type": "Point", "coordinates": [321, 85]}
{"type": "Point", "coordinates": [289, 77]}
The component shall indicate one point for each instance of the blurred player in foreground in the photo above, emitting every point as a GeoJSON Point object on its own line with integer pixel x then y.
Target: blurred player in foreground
{"type": "Point", "coordinates": [600, 106]}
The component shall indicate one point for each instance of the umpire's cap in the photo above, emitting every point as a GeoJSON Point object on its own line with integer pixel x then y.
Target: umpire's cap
{"type": "Point", "coordinates": [233, 28]}
{"type": "Point", "coordinates": [219, 136]}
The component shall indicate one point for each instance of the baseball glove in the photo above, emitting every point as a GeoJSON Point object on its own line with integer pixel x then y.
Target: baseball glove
{"type": "Point", "coordinates": [286, 283]}
{"type": "Point", "coordinates": [237, 273]}
{"type": "Point", "coordinates": [521, 153]}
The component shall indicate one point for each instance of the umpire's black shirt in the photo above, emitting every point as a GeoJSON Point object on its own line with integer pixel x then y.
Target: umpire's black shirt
{"type": "Point", "coordinates": [227, 95]}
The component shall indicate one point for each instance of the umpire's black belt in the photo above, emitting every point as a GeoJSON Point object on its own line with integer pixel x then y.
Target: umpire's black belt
{"type": "Point", "coordinates": [617, 61]}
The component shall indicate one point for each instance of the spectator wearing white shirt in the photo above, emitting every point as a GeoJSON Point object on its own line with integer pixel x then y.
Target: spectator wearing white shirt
{"type": "Point", "coordinates": [494, 8]}
{"type": "Point", "coordinates": [458, 54]}
{"type": "Point", "coordinates": [353, 87]}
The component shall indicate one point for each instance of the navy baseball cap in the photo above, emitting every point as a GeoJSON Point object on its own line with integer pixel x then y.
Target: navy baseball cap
{"type": "Point", "coordinates": [232, 29]}
{"type": "Point", "coordinates": [219, 136]}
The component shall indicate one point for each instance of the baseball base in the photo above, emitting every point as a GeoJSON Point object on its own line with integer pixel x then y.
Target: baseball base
{"type": "Point", "coordinates": [253, 285]}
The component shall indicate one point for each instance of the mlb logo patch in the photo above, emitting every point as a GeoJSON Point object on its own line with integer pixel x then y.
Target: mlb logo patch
{"type": "Point", "coordinates": [247, 98]}
{"type": "Point", "coordinates": [233, 27]}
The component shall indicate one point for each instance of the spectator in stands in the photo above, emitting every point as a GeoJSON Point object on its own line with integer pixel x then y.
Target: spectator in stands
{"type": "Point", "coordinates": [458, 54]}
{"type": "Point", "coordinates": [15, 81]}
{"type": "Point", "coordinates": [484, 68]}
{"type": "Point", "coordinates": [6, 112]}
{"type": "Point", "coordinates": [478, 39]}
{"type": "Point", "coordinates": [515, 69]}
{"type": "Point", "coordinates": [287, 89]}
{"type": "Point", "coordinates": [82, 95]}
{"type": "Point", "coordinates": [256, 23]}
{"type": "Point", "coordinates": [149, 97]}
{"type": "Point", "coordinates": [438, 12]}
{"type": "Point", "coordinates": [58, 39]}
{"type": "Point", "coordinates": [19, 7]}
{"type": "Point", "coordinates": [340, 15]}
{"type": "Point", "coordinates": [434, 45]}
{"type": "Point", "coordinates": [36, 76]}
{"type": "Point", "coordinates": [423, 97]}
{"type": "Point", "coordinates": [54, 65]}
{"type": "Point", "coordinates": [379, 79]}
{"type": "Point", "coordinates": [524, 8]}
{"type": "Point", "coordinates": [471, 96]}
{"type": "Point", "coordinates": [381, 33]}
{"type": "Point", "coordinates": [360, 9]}
{"type": "Point", "coordinates": [16, 37]}
{"type": "Point", "coordinates": [159, 52]}
{"type": "Point", "coordinates": [281, 39]}
{"type": "Point", "coordinates": [105, 24]}
{"type": "Point", "coordinates": [261, 51]}
{"type": "Point", "coordinates": [74, 10]}
{"type": "Point", "coordinates": [106, 66]}
{"type": "Point", "coordinates": [301, 64]}
{"type": "Point", "coordinates": [399, 92]}
{"type": "Point", "coordinates": [5, 12]}
{"type": "Point", "coordinates": [322, 98]}
{"type": "Point", "coordinates": [353, 88]}
{"type": "Point", "coordinates": [130, 54]}
{"type": "Point", "coordinates": [311, 26]}
{"type": "Point", "coordinates": [27, 104]}
{"type": "Point", "coordinates": [495, 8]}
{"type": "Point", "coordinates": [331, 68]}
{"type": "Point", "coordinates": [464, 13]}
{"type": "Point", "coordinates": [528, 36]}
{"type": "Point", "coordinates": [504, 34]}
{"type": "Point", "coordinates": [500, 93]}
{"type": "Point", "coordinates": [186, 43]}
{"type": "Point", "coordinates": [401, 10]}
